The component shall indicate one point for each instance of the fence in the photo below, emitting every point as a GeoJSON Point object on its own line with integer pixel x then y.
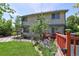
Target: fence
{"type": "Point", "coordinates": [63, 43]}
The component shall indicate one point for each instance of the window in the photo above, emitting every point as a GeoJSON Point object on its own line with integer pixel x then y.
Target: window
{"type": "Point", "coordinates": [26, 29]}
{"type": "Point", "coordinates": [55, 16]}
{"type": "Point", "coordinates": [24, 19]}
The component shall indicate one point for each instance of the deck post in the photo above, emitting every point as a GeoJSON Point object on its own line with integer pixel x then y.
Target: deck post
{"type": "Point", "coordinates": [68, 43]}
{"type": "Point", "coordinates": [75, 46]}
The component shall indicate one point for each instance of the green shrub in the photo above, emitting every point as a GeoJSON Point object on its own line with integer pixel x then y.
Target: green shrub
{"type": "Point", "coordinates": [13, 33]}
{"type": "Point", "coordinates": [68, 30]}
{"type": "Point", "coordinates": [77, 33]}
{"type": "Point", "coordinates": [48, 51]}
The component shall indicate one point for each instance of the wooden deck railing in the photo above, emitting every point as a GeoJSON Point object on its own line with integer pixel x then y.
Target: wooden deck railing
{"type": "Point", "coordinates": [75, 40]}
{"type": "Point", "coordinates": [61, 40]}
{"type": "Point", "coordinates": [64, 41]}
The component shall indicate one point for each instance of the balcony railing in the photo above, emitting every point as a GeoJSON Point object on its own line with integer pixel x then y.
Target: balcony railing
{"type": "Point", "coordinates": [56, 21]}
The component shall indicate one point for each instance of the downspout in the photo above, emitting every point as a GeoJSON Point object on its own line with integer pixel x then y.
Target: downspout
{"type": "Point", "coordinates": [65, 22]}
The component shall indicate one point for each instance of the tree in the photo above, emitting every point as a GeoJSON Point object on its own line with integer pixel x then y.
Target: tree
{"type": "Point", "coordinates": [73, 23]}
{"type": "Point", "coordinates": [76, 5]}
{"type": "Point", "coordinates": [39, 27]}
{"type": "Point", "coordinates": [9, 26]}
{"type": "Point", "coordinates": [5, 8]}
{"type": "Point", "coordinates": [18, 24]}
{"type": "Point", "coordinates": [5, 25]}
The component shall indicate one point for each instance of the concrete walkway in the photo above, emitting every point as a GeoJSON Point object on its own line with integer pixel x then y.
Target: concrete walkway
{"type": "Point", "coordinates": [25, 40]}
{"type": "Point", "coordinates": [10, 38]}
{"type": "Point", "coordinates": [6, 39]}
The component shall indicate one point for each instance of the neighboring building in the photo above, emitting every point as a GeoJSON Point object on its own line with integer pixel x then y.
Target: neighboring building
{"type": "Point", "coordinates": [56, 21]}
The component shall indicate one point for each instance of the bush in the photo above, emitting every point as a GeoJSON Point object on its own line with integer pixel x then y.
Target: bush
{"type": "Point", "coordinates": [68, 30]}
{"type": "Point", "coordinates": [48, 51]}
{"type": "Point", "coordinates": [77, 33]}
{"type": "Point", "coordinates": [5, 27]}
{"type": "Point", "coordinates": [13, 33]}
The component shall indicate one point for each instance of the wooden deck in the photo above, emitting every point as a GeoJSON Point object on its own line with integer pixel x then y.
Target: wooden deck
{"type": "Point", "coordinates": [68, 44]}
{"type": "Point", "coordinates": [72, 50]}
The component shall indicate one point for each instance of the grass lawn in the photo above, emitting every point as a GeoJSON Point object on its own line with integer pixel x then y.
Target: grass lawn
{"type": "Point", "coordinates": [15, 48]}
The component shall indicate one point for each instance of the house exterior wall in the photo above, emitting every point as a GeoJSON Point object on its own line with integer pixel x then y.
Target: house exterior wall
{"type": "Point", "coordinates": [32, 18]}
{"type": "Point", "coordinates": [59, 29]}
{"type": "Point", "coordinates": [56, 29]}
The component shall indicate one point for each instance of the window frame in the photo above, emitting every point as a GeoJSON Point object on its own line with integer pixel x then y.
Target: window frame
{"type": "Point", "coordinates": [24, 19]}
{"type": "Point", "coordinates": [55, 16]}
{"type": "Point", "coordinates": [26, 28]}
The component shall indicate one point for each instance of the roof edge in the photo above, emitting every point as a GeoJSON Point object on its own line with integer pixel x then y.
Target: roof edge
{"type": "Point", "coordinates": [45, 12]}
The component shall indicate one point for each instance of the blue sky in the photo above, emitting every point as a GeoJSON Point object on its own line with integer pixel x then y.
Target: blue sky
{"type": "Point", "coordinates": [29, 8]}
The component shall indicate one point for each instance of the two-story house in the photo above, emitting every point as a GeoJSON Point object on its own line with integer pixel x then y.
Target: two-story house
{"type": "Point", "coordinates": [56, 21]}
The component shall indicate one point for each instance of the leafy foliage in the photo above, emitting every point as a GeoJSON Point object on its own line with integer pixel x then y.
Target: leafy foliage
{"type": "Point", "coordinates": [39, 26]}
{"type": "Point", "coordinates": [73, 23]}
{"type": "Point", "coordinates": [18, 23]}
{"type": "Point", "coordinates": [76, 5]}
{"type": "Point", "coordinates": [5, 25]}
{"type": "Point", "coordinates": [48, 52]}
{"type": "Point", "coordinates": [5, 8]}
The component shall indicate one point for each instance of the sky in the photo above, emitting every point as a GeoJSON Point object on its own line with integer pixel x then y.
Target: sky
{"type": "Point", "coordinates": [29, 8]}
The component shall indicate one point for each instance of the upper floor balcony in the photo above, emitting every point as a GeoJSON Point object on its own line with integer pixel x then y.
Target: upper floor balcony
{"type": "Point", "coordinates": [56, 21]}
